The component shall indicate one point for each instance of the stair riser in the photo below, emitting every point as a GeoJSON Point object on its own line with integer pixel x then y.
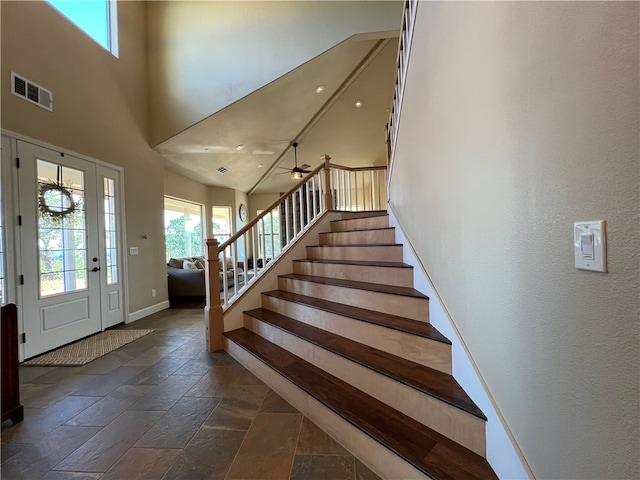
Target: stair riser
{"type": "Point", "coordinates": [452, 422]}
{"type": "Point", "coordinates": [359, 237]}
{"type": "Point", "coordinates": [386, 253]}
{"type": "Point", "coordinates": [367, 223]}
{"type": "Point", "coordinates": [378, 458]}
{"type": "Point", "coordinates": [421, 350]}
{"type": "Point", "coordinates": [408, 307]}
{"type": "Point", "coordinates": [394, 276]}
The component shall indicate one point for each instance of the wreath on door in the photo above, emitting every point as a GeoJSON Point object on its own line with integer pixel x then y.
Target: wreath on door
{"type": "Point", "coordinates": [55, 200]}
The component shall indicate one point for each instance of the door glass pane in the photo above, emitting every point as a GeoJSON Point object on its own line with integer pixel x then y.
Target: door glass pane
{"type": "Point", "coordinates": [111, 247]}
{"type": "Point", "coordinates": [61, 229]}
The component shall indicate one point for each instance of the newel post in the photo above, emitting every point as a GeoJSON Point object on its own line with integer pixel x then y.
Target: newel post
{"type": "Point", "coordinates": [326, 178]}
{"type": "Point", "coordinates": [213, 315]}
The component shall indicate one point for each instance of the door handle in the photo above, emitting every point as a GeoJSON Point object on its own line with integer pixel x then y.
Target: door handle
{"type": "Point", "coordinates": [95, 269]}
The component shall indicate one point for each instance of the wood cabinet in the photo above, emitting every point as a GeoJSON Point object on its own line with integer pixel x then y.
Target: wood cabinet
{"type": "Point", "coordinates": [11, 407]}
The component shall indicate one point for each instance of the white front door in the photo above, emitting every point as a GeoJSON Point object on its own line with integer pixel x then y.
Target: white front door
{"type": "Point", "coordinates": [70, 248]}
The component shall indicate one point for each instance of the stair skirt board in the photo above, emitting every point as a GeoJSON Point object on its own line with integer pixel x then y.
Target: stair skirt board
{"type": "Point", "coordinates": [415, 308]}
{"type": "Point", "coordinates": [425, 351]}
{"type": "Point", "coordinates": [374, 455]}
{"type": "Point", "coordinates": [460, 426]}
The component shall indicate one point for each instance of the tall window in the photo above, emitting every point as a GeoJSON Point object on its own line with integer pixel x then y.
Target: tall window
{"type": "Point", "coordinates": [183, 228]}
{"type": "Point", "coordinates": [269, 234]}
{"type": "Point", "coordinates": [221, 221]}
{"type": "Point", "coordinates": [97, 18]}
{"type": "Point", "coordinates": [110, 232]}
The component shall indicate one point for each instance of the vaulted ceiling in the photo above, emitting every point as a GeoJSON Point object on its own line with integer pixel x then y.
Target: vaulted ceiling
{"type": "Point", "coordinates": [252, 137]}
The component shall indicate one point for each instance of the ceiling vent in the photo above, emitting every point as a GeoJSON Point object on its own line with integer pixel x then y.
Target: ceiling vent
{"type": "Point", "coordinates": [223, 170]}
{"type": "Point", "coordinates": [31, 92]}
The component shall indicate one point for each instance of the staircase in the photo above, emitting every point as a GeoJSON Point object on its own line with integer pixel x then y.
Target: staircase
{"type": "Point", "coordinates": [346, 339]}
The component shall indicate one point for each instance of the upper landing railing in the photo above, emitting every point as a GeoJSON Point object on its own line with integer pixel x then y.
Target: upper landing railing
{"type": "Point", "coordinates": [404, 47]}
{"type": "Point", "coordinates": [249, 253]}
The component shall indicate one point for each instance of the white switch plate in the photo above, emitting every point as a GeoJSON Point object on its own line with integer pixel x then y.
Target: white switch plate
{"type": "Point", "coordinates": [133, 250]}
{"type": "Point", "coordinates": [590, 245]}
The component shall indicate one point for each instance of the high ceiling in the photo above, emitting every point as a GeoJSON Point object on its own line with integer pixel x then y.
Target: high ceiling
{"type": "Point", "coordinates": [252, 137]}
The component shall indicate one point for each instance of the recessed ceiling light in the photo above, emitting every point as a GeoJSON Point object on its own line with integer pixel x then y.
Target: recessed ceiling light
{"type": "Point", "coordinates": [259, 165]}
{"type": "Point", "coordinates": [240, 147]}
{"type": "Point", "coordinates": [358, 103]}
{"type": "Point", "coordinates": [320, 89]}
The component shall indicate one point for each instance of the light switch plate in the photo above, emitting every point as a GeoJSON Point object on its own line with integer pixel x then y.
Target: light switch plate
{"type": "Point", "coordinates": [133, 250]}
{"type": "Point", "coordinates": [590, 245]}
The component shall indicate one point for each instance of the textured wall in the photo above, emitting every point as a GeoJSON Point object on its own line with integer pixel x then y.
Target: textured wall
{"type": "Point", "coordinates": [100, 110]}
{"type": "Point", "coordinates": [520, 118]}
{"type": "Point", "coordinates": [238, 47]}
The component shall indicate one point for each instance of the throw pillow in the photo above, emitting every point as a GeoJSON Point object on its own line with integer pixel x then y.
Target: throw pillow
{"type": "Point", "coordinates": [175, 262]}
{"type": "Point", "coordinates": [187, 265]}
{"type": "Point", "coordinates": [199, 263]}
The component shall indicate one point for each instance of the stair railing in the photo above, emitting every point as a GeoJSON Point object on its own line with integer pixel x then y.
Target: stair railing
{"type": "Point", "coordinates": [404, 47]}
{"type": "Point", "coordinates": [249, 253]}
{"type": "Point", "coordinates": [360, 189]}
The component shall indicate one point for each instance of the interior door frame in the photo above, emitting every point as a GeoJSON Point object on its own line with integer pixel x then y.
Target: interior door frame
{"type": "Point", "coordinates": [12, 211]}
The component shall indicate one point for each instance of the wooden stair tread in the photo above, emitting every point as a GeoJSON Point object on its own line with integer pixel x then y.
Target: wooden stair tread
{"type": "Point", "coordinates": [373, 287]}
{"type": "Point", "coordinates": [420, 377]}
{"type": "Point", "coordinates": [407, 325]}
{"type": "Point", "coordinates": [363, 263]}
{"type": "Point", "coordinates": [428, 451]}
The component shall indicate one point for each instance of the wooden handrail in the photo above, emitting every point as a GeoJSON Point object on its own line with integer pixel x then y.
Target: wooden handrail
{"type": "Point", "coordinates": [266, 211]}
{"type": "Point", "coordinates": [305, 213]}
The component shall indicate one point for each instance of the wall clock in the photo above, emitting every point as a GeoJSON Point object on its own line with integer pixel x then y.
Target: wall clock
{"type": "Point", "coordinates": [243, 212]}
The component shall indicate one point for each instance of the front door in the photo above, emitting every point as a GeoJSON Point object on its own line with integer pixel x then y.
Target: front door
{"type": "Point", "coordinates": [70, 248]}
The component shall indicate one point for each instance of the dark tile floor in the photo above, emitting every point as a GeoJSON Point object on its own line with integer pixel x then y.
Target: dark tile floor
{"type": "Point", "coordinates": [163, 408]}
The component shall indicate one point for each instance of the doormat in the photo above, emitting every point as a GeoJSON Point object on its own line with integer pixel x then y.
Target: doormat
{"type": "Point", "coordinates": [88, 349]}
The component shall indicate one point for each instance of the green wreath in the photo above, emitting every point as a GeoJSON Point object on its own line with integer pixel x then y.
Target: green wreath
{"type": "Point", "coordinates": [55, 200]}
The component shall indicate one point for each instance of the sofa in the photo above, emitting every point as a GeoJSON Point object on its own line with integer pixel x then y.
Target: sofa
{"type": "Point", "coordinates": [185, 276]}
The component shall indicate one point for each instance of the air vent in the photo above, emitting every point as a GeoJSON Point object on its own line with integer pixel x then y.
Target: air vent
{"type": "Point", "coordinates": [223, 170]}
{"type": "Point", "coordinates": [31, 92]}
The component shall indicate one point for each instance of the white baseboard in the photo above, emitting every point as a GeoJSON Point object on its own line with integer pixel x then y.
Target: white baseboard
{"type": "Point", "coordinates": [503, 452]}
{"type": "Point", "coordinates": [145, 312]}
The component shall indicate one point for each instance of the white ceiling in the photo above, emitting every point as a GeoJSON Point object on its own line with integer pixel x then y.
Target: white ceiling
{"type": "Point", "coordinates": [268, 120]}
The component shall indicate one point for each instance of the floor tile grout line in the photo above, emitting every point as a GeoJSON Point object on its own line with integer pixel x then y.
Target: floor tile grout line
{"type": "Point", "coordinates": [187, 354]}
{"type": "Point", "coordinates": [226, 474]}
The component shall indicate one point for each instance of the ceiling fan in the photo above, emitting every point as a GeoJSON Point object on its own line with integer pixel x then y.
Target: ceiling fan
{"type": "Point", "coordinates": [296, 172]}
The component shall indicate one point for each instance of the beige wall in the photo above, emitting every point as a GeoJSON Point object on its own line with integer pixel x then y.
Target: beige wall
{"type": "Point", "coordinates": [520, 118]}
{"type": "Point", "coordinates": [260, 202]}
{"type": "Point", "coordinates": [238, 47]}
{"type": "Point", "coordinates": [100, 110]}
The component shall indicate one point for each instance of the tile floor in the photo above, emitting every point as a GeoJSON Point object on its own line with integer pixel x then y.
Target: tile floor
{"type": "Point", "coordinates": [163, 408]}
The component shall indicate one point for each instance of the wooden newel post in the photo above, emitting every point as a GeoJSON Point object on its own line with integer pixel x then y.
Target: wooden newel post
{"type": "Point", "coordinates": [326, 178]}
{"type": "Point", "coordinates": [213, 315]}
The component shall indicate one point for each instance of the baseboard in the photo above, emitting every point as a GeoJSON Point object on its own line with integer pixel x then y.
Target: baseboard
{"type": "Point", "coordinates": [145, 312]}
